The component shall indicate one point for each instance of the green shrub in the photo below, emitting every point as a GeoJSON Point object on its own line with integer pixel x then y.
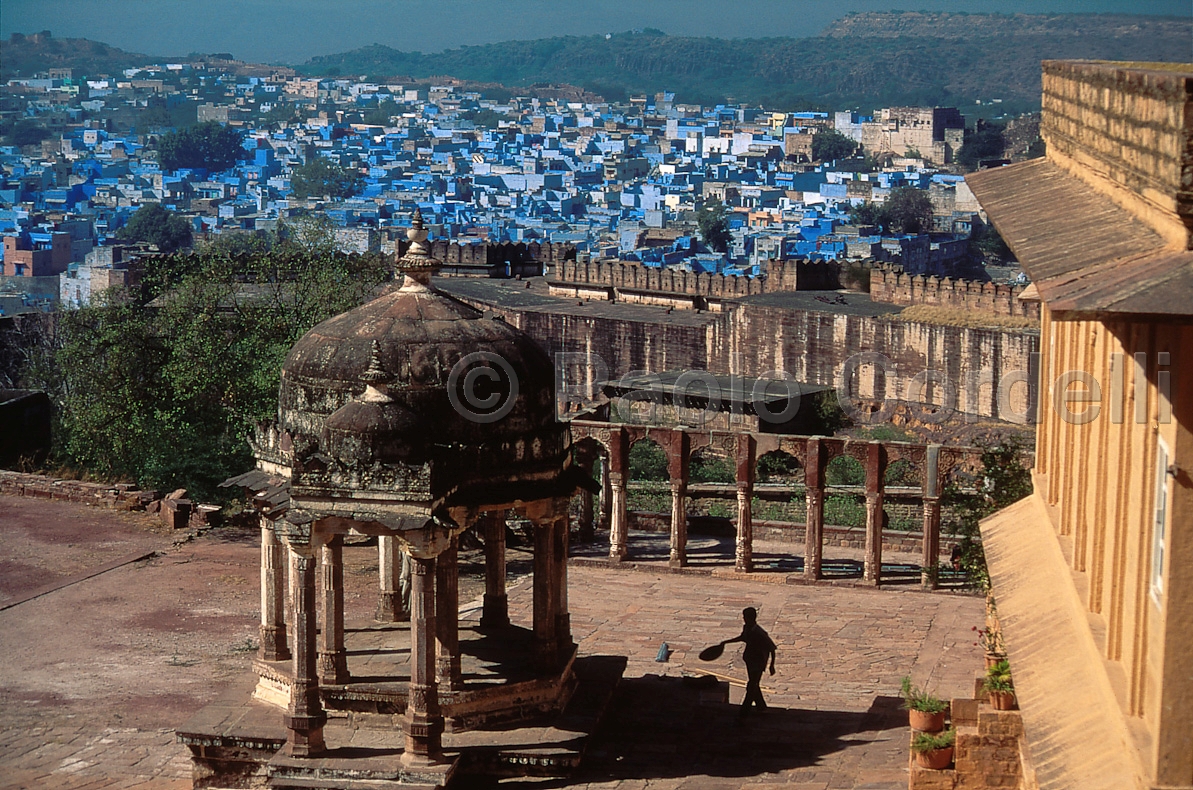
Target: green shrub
{"type": "Point", "coordinates": [931, 741]}
{"type": "Point", "coordinates": [916, 698]}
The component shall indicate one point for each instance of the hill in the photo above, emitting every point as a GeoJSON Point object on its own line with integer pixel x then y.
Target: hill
{"type": "Point", "coordinates": [23, 56]}
{"type": "Point", "coordinates": [863, 60]}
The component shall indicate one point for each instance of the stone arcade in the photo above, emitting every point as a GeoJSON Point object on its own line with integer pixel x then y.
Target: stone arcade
{"type": "Point", "coordinates": [375, 437]}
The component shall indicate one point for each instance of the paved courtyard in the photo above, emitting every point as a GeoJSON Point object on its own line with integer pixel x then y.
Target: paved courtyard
{"type": "Point", "coordinates": [98, 672]}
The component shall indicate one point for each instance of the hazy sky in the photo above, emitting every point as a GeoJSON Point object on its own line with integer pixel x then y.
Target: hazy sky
{"type": "Point", "coordinates": [291, 31]}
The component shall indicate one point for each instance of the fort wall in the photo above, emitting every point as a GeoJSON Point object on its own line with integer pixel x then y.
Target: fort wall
{"type": "Point", "coordinates": [782, 275]}
{"type": "Point", "coordinates": [890, 284]}
{"type": "Point", "coordinates": [986, 373]}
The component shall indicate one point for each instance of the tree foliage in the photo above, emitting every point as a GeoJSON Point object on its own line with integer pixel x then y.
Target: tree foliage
{"type": "Point", "coordinates": [26, 132]}
{"type": "Point", "coordinates": [165, 393]}
{"type": "Point", "coordinates": [320, 176]}
{"type": "Point", "coordinates": [908, 210]}
{"type": "Point", "coordinates": [1004, 480]}
{"type": "Point", "coordinates": [829, 145]}
{"type": "Point", "coordinates": [713, 221]}
{"type": "Point", "coordinates": [157, 226]}
{"type": "Point", "coordinates": [648, 461]}
{"type": "Point", "coordinates": [207, 146]}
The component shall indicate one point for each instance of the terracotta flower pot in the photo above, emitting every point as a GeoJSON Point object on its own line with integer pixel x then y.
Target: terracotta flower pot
{"type": "Point", "coordinates": [937, 759]}
{"type": "Point", "coordinates": [992, 659]}
{"type": "Point", "coordinates": [1002, 700]}
{"type": "Point", "coordinates": [925, 722]}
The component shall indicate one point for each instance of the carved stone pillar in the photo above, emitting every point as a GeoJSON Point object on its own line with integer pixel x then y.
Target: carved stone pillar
{"type": "Point", "coordinates": [273, 596]}
{"type": "Point", "coordinates": [563, 618]}
{"type": "Point", "coordinates": [744, 550]}
{"type": "Point", "coordinates": [618, 527]}
{"type": "Point", "coordinates": [679, 525]}
{"type": "Point", "coordinates": [875, 468]}
{"type": "Point", "coordinates": [447, 625]}
{"type": "Point", "coordinates": [495, 613]}
{"type": "Point", "coordinates": [677, 469]}
{"type": "Point", "coordinates": [304, 717]}
{"type": "Point", "coordinates": [814, 531]}
{"type": "Point", "coordinates": [930, 561]}
{"type": "Point", "coordinates": [393, 599]}
{"type": "Point", "coordinates": [546, 642]}
{"type": "Point", "coordinates": [424, 721]}
{"type": "Point", "coordinates": [333, 660]}
{"type": "Point", "coordinates": [619, 474]}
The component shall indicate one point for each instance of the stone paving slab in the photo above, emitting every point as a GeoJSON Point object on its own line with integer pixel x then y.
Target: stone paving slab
{"type": "Point", "coordinates": [97, 675]}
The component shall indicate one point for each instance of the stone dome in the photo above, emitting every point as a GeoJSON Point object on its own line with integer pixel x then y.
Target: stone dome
{"type": "Point", "coordinates": [415, 376]}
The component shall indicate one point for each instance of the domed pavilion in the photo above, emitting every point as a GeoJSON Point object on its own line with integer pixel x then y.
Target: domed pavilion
{"type": "Point", "coordinates": [412, 418]}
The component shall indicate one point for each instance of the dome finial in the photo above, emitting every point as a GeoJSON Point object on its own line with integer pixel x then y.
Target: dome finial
{"type": "Point", "coordinates": [417, 264]}
{"type": "Point", "coordinates": [376, 379]}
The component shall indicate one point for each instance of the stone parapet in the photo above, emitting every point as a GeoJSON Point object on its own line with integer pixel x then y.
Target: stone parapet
{"type": "Point", "coordinates": [891, 285]}
{"type": "Point", "coordinates": [119, 496]}
{"type": "Point", "coordinates": [782, 275]}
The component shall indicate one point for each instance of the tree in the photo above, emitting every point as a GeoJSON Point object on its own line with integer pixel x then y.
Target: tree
{"type": "Point", "coordinates": [320, 176]}
{"type": "Point", "coordinates": [157, 226]}
{"type": "Point", "coordinates": [27, 133]}
{"type": "Point", "coordinates": [988, 245]}
{"type": "Point", "coordinates": [167, 396]}
{"type": "Point", "coordinates": [829, 144]}
{"type": "Point", "coordinates": [1003, 481]}
{"type": "Point", "coordinates": [908, 210]}
{"type": "Point", "coordinates": [713, 221]}
{"type": "Point", "coordinates": [207, 146]}
{"type": "Point", "coordinates": [986, 142]}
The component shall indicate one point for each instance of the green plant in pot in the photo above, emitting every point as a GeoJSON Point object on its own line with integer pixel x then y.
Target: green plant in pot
{"type": "Point", "coordinates": [934, 750]}
{"type": "Point", "coordinates": [925, 712]}
{"type": "Point", "coordinates": [999, 687]}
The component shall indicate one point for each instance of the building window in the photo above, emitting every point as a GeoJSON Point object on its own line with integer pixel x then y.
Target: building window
{"type": "Point", "coordinates": [1161, 515]}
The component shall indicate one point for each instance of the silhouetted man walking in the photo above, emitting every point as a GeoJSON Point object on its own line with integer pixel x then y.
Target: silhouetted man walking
{"type": "Point", "coordinates": [759, 647]}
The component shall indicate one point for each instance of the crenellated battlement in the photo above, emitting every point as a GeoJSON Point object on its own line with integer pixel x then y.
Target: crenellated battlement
{"type": "Point", "coordinates": [782, 275]}
{"type": "Point", "coordinates": [890, 284]}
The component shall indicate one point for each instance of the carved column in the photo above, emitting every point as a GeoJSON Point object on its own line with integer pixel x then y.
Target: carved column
{"type": "Point", "coordinates": [304, 717]}
{"type": "Point", "coordinates": [744, 551]}
{"type": "Point", "coordinates": [424, 722]}
{"type": "Point", "coordinates": [333, 660]}
{"type": "Point", "coordinates": [677, 467]}
{"type": "Point", "coordinates": [618, 474]}
{"type": "Point", "coordinates": [392, 602]}
{"type": "Point", "coordinates": [679, 525]}
{"type": "Point", "coordinates": [495, 613]}
{"type": "Point", "coordinates": [563, 618]}
{"type": "Point", "coordinates": [929, 577]}
{"type": "Point", "coordinates": [546, 642]}
{"type": "Point", "coordinates": [447, 625]}
{"type": "Point", "coordinates": [273, 596]}
{"type": "Point", "coordinates": [875, 468]}
{"type": "Point", "coordinates": [814, 531]}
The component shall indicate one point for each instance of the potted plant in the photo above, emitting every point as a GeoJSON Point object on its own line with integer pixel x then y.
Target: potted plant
{"type": "Point", "coordinates": [998, 686]}
{"type": "Point", "coordinates": [934, 750]}
{"type": "Point", "coordinates": [992, 645]}
{"type": "Point", "coordinates": [925, 712]}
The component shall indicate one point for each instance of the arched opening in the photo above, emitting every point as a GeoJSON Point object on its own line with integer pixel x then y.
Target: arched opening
{"type": "Point", "coordinates": [779, 488]}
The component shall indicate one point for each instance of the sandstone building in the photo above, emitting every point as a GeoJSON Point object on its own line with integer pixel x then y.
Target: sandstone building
{"type": "Point", "coordinates": [1093, 573]}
